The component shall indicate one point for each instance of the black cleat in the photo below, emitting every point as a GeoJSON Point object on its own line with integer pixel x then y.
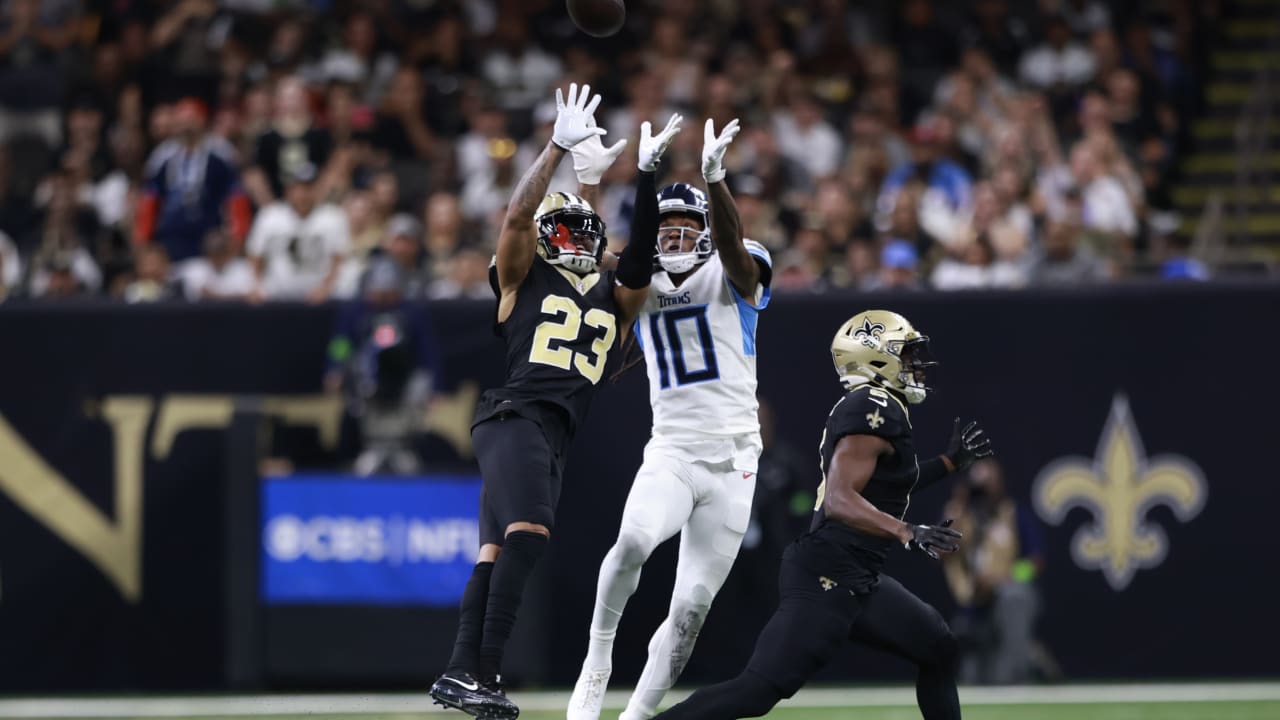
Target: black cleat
{"type": "Point", "coordinates": [482, 700]}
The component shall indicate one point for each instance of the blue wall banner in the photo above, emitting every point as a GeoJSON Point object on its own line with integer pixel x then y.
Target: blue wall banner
{"type": "Point", "coordinates": [344, 540]}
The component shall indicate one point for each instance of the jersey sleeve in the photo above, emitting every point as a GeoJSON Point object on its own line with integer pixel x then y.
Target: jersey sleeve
{"type": "Point", "coordinates": [760, 300]}
{"type": "Point", "coordinates": [867, 410]}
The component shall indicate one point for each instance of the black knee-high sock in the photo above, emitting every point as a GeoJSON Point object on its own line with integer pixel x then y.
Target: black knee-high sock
{"type": "Point", "coordinates": [466, 649]}
{"type": "Point", "coordinates": [745, 696]}
{"type": "Point", "coordinates": [936, 682]}
{"type": "Point", "coordinates": [520, 552]}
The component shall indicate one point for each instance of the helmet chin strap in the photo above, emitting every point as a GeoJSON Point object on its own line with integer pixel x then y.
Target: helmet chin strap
{"type": "Point", "coordinates": [580, 264]}
{"type": "Point", "coordinates": [678, 263]}
{"type": "Point", "coordinates": [852, 381]}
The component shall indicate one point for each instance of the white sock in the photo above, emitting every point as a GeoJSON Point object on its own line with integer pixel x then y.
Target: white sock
{"type": "Point", "coordinates": [618, 580]}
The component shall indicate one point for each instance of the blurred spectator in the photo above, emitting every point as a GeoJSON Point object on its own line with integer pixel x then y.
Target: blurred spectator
{"type": "Point", "coordinates": [358, 60]}
{"type": "Point", "coordinates": [467, 277]}
{"type": "Point", "coordinates": [384, 359]}
{"type": "Point", "coordinates": [521, 73]}
{"type": "Point", "coordinates": [926, 48]}
{"type": "Point", "coordinates": [1179, 264]}
{"type": "Point", "coordinates": [10, 267]}
{"type": "Point", "coordinates": [298, 245]}
{"type": "Point", "coordinates": [32, 39]}
{"type": "Point", "coordinates": [969, 268]}
{"type": "Point", "coordinates": [899, 268]}
{"type": "Point", "coordinates": [998, 33]}
{"type": "Point", "coordinates": [1060, 64]}
{"type": "Point", "coordinates": [292, 140]}
{"type": "Point", "coordinates": [948, 188]}
{"type": "Point", "coordinates": [1064, 260]}
{"type": "Point", "coordinates": [63, 273]}
{"type": "Point", "coordinates": [859, 268]}
{"type": "Point", "coordinates": [403, 245]}
{"type": "Point", "coordinates": [490, 189]}
{"type": "Point", "coordinates": [992, 578]}
{"type": "Point", "coordinates": [151, 280]}
{"type": "Point", "coordinates": [758, 215]}
{"type": "Point", "coordinates": [806, 138]}
{"type": "Point", "coordinates": [1106, 205]}
{"type": "Point", "coordinates": [444, 227]}
{"type": "Point", "coordinates": [399, 126]}
{"type": "Point", "coordinates": [192, 187]}
{"type": "Point", "coordinates": [189, 37]}
{"type": "Point", "coordinates": [219, 274]}
{"type": "Point", "coordinates": [1083, 16]}
{"type": "Point", "coordinates": [394, 103]}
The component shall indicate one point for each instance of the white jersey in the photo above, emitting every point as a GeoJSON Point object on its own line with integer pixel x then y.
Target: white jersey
{"type": "Point", "coordinates": [298, 251]}
{"type": "Point", "coordinates": [699, 343]}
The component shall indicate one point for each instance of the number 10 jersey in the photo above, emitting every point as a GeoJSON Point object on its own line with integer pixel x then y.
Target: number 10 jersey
{"type": "Point", "coordinates": [699, 342]}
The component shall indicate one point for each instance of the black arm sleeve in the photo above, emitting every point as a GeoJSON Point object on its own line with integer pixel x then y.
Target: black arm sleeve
{"type": "Point", "coordinates": [931, 471]}
{"type": "Point", "coordinates": [635, 266]}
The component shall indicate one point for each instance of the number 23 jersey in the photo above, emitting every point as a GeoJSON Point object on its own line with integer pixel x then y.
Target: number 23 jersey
{"type": "Point", "coordinates": [699, 342]}
{"type": "Point", "coordinates": [559, 336]}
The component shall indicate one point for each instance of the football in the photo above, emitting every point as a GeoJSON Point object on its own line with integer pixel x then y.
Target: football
{"type": "Point", "coordinates": [598, 18]}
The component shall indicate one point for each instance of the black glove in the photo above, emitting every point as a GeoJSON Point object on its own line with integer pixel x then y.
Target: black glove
{"type": "Point", "coordinates": [926, 538]}
{"type": "Point", "coordinates": [967, 445]}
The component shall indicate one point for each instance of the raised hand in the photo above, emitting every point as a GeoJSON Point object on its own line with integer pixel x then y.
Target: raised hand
{"type": "Point", "coordinates": [652, 146]}
{"type": "Point", "coordinates": [967, 445]}
{"type": "Point", "coordinates": [714, 147]}
{"type": "Point", "coordinates": [575, 119]}
{"type": "Point", "coordinates": [591, 158]}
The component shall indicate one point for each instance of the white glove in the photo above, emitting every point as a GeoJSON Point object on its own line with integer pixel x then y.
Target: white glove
{"type": "Point", "coordinates": [714, 148]}
{"type": "Point", "coordinates": [652, 146]}
{"type": "Point", "coordinates": [591, 158]}
{"type": "Point", "coordinates": [575, 120]}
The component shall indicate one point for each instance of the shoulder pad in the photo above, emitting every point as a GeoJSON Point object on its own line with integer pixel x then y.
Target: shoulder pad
{"type": "Point", "coordinates": [869, 410]}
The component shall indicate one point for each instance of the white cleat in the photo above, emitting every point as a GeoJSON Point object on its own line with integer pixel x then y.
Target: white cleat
{"type": "Point", "coordinates": [588, 695]}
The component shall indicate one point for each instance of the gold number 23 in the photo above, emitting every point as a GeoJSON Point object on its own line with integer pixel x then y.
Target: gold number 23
{"type": "Point", "coordinates": [566, 330]}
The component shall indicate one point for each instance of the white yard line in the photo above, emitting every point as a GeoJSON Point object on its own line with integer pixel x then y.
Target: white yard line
{"type": "Point", "coordinates": [382, 704]}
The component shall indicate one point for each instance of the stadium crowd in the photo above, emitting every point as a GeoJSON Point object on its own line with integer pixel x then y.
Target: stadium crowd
{"type": "Point", "coordinates": [276, 149]}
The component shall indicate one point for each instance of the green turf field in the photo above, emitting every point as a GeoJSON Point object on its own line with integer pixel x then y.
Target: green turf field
{"type": "Point", "coordinates": [1120, 711]}
{"type": "Point", "coordinates": [1169, 701]}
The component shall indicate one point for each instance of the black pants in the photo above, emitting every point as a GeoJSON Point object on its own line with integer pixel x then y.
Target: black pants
{"type": "Point", "coordinates": [521, 475]}
{"type": "Point", "coordinates": [814, 619]}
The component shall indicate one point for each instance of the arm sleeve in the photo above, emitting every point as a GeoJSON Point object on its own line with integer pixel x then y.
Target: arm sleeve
{"type": "Point", "coordinates": [931, 471]}
{"type": "Point", "coordinates": [635, 267]}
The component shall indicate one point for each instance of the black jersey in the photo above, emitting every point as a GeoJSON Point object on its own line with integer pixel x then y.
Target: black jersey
{"type": "Point", "coordinates": [559, 336]}
{"type": "Point", "coordinates": [845, 553]}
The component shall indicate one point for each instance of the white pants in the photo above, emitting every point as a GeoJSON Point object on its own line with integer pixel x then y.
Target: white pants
{"type": "Point", "coordinates": [709, 503]}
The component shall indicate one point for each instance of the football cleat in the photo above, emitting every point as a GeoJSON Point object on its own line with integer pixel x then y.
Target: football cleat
{"type": "Point", "coordinates": [587, 700]}
{"type": "Point", "coordinates": [479, 699]}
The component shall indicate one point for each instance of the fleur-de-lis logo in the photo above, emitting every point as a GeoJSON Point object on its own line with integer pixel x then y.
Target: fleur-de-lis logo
{"type": "Point", "coordinates": [827, 583]}
{"type": "Point", "coordinates": [868, 329]}
{"type": "Point", "coordinates": [1119, 486]}
{"type": "Point", "coordinates": [874, 419]}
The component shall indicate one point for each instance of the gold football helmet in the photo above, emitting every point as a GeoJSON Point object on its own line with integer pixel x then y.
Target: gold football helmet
{"type": "Point", "coordinates": [570, 233]}
{"type": "Point", "coordinates": [881, 347]}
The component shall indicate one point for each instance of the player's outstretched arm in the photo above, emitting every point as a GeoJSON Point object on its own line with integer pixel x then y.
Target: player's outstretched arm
{"type": "Point", "coordinates": [740, 265]}
{"type": "Point", "coordinates": [516, 242]}
{"type": "Point", "coordinates": [852, 463]}
{"type": "Point", "coordinates": [635, 266]}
